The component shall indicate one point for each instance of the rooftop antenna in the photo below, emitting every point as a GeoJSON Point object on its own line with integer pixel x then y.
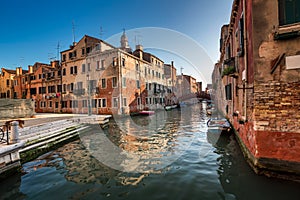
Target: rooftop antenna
{"type": "Point", "coordinates": [57, 48]}
{"type": "Point", "coordinates": [137, 38]}
{"type": "Point", "coordinates": [21, 61]}
{"type": "Point", "coordinates": [101, 33]}
{"type": "Point", "coordinates": [181, 68]}
{"type": "Point", "coordinates": [73, 31]}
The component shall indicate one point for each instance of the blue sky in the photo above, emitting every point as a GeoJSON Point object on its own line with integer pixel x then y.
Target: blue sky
{"type": "Point", "coordinates": [31, 29]}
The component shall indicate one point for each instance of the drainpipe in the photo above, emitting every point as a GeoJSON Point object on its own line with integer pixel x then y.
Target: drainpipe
{"type": "Point", "coordinates": [245, 57]}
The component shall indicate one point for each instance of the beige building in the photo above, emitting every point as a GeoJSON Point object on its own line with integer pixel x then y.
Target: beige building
{"type": "Point", "coordinates": [6, 83]}
{"type": "Point", "coordinates": [103, 79]}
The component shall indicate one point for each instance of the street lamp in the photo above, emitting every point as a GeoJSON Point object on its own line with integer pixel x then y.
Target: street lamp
{"type": "Point", "coordinates": [89, 95]}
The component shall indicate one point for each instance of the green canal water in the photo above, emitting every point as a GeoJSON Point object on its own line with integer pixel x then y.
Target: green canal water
{"type": "Point", "coordinates": [169, 155]}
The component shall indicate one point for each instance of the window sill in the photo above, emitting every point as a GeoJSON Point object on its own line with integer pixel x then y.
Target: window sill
{"type": "Point", "coordinates": [287, 31]}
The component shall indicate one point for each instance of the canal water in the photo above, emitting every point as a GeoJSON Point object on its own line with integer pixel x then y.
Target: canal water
{"type": "Point", "coordinates": [169, 155]}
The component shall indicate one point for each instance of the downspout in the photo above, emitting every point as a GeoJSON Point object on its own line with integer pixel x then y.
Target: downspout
{"type": "Point", "coordinates": [245, 58]}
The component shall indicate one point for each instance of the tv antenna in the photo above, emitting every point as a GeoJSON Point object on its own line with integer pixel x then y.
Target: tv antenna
{"type": "Point", "coordinates": [73, 30]}
{"type": "Point", "coordinates": [137, 38]}
{"type": "Point", "coordinates": [101, 33]}
{"type": "Point", "coordinates": [58, 48]}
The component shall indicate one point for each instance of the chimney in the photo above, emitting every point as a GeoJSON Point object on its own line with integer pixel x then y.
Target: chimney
{"type": "Point", "coordinates": [30, 69]}
{"type": "Point", "coordinates": [172, 64]}
{"type": "Point", "coordinates": [55, 64]}
{"type": "Point", "coordinates": [19, 71]}
{"type": "Point", "coordinates": [140, 49]}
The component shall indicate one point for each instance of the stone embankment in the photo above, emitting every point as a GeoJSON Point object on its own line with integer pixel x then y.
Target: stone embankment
{"type": "Point", "coordinates": [44, 134]}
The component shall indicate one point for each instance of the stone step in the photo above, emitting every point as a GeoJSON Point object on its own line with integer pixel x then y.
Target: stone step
{"type": "Point", "coordinates": [44, 135]}
{"type": "Point", "coordinates": [55, 138]}
{"type": "Point", "coordinates": [51, 126]}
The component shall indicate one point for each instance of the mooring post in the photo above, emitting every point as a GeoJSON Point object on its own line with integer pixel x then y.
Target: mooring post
{"type": "Point", "coordinates": [14, 136]}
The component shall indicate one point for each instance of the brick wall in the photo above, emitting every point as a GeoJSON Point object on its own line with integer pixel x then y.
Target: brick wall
{"type": "Point", "coordinates": [277, 106]}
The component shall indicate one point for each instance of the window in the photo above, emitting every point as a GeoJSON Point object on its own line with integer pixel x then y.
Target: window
{"type": "Point", "coordinates": [101, 103]}
{"type": "Point", "coordinates": [42, 90]}
{"type": "Point", "coordinates": [71, 87]}
{"type": "Point", "coordinates": [74, 54]}
{"type": "Point", "coordinates": [241, 37]}
{"type": "Point", "coordinates": [228, 92]}
{"type": "Point", "coordinates": [138, 101]}
{"type": "Point", "coordinates": [79, 85]}
{"type": "Point", "coordinates": [289, 11]}
{"type": "Point", "coordinates": [89, 67]}
{"type": "Point", "coordinates": [93, 84]}
{"type": "Point", "coordinates": [124, 81]}
{"type": "Point", "coordinates": [97, 47]}
{"type": "Point", "coordinates": [59, 73]}
{"type": "Point", "coordinates": [124, 102]}
{"type": "Point", "coordinates": [138, 84]}
{"type": "Point", "coordinates": [42, 104]}
{"type": "Point", "coordinates": [123, 62]}
{"type": "Point", "coordinates": [59, 88]}
{"type": "Point", "coordinates": [50, 104]}
{"type": "Point", "coordinates": [75, 69]}
{"type": "Point", "coordinates": [103, 83]}
{"type": "Point", "coordinates": [82, 51]}
{"type": "Point", "coordinates": [137, 67]}
{"type": "Point", "coordinates": [114, 82]}
{"type": "Point", "coordinates": [64, 71]}
{"type": "Point", "coordinates": [64, 87]}
{"type": "Point", "coordinates": [83, 68]}
{"type": "Point", "coordinates": [64, 104]}
{"type": "Point", "coordinates": [98, 64]}
{"type": "Point", "coordinates": [71, 70]}
{"type": "Point", "coordinates": [102, 64]}
{"type": "Point", "coordinates": [56, 104]}
{"type": "Point", "coordinates": [115, 61]}
{"type": "Point", "coordinates": [115, 102]}
{"type": "Point", "coordinates": [51, 89]}
{"type": "Point", "coordinates": [88, 50]}
{"type": "Point", "coordinates": [64, 57]}
{"type": "Point", "coordinates": [84, 103]}
{"type": "Point", "coordinates": [33, 91]}
{"type": "Point", "coordinates": [94, 103]}
{"type": "Point", "coordinates": [7, 82]}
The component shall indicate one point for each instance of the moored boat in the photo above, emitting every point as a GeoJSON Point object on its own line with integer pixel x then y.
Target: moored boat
{"type": "Point", "coordinates": [147, 112]}
{"type": "Point", "coordinates": [170, 107]}
{"type": "Point", "coordinates": [218, 124]}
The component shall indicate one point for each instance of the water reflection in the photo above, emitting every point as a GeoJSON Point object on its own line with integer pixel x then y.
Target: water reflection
{"type": "Point", "coordinates": [140, 144]}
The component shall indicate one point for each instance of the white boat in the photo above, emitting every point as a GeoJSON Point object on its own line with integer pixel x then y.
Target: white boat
{"type": "Point", "coordinates": [170, 107]}
{"type": "Point", "coordinates": [220, 125]}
